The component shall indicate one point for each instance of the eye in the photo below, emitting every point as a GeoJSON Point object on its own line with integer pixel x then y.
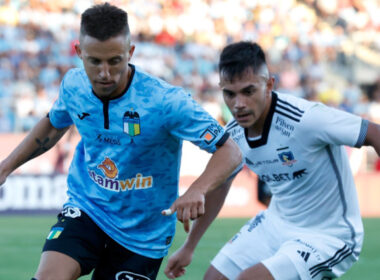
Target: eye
{"type": "Point", "coordinates": [250, 91]}
{"type": "Point", "coordinates": [94, 61]}
{"type": "Point", "coordinates": [228, 94]}
{"type": "Point", "coordinates": [114, 61]}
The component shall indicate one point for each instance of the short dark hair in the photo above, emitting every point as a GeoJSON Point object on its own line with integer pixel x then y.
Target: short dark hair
{"type": "Point", "coordinates": [237, 57]}
{"type": "Point", "coordinates": [104, 21]}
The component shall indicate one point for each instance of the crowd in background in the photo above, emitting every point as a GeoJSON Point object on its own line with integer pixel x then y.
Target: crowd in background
{"type": "Point", "coordinates": [326, 50]}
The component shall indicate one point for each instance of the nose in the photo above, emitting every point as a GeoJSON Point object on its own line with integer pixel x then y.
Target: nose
{"type": "Point", "coordinates": [240, 102]}
{"type": "Point", "coordinates": [104, 71]}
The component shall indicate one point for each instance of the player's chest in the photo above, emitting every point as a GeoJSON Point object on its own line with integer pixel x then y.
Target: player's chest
{"type": "Point", "coordinates": [281, 159]}
{"type": "Point", "coordinates": [113, 123]}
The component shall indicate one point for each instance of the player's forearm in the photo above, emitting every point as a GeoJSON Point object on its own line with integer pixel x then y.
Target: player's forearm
{"type": "Point", "coordinates": [220, 166]}
{"type": "Point", "coordinates": [214, 202]}
{"type": "Point", "coordinates": [42, 137]}
{"type": "Point", "coordinates": [373, 137]}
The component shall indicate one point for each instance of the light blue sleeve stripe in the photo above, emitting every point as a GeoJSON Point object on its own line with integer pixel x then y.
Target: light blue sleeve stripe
{"type": "Point", "coordinates": [362, 134]}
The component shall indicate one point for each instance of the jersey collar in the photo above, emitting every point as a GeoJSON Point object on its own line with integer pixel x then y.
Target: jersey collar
{"type": "Point", "coordinates": [264, 136]}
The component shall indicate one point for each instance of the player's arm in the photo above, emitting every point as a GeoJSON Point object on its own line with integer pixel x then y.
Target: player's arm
{"type": "Point", "coordinates": [40, 139]}
{"type": "Point", "coordinates": [373, 137]}
{"type": "Point", "coordinates": [220, 166]}
{"type": "Point", "coordinates": [183, 256]}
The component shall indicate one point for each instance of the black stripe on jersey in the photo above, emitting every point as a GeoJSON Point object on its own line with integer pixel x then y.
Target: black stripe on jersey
{"type": "Point", "coordinates": [289, 110]}
{"type": "Point", "coordinates": [105, 113]}
{"type": "Point", "coordinates": [290, 105]}
{"type": "Point", "coordinates": [231, 125]}
{"type": "Point", "coordinates": [288, 116]}
{"type": "Point", "coordinates": [327, 265]}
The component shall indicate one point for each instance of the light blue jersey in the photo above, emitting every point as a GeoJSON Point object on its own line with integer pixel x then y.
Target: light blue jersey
{"type": "Point", "coordinates": [125, 169]}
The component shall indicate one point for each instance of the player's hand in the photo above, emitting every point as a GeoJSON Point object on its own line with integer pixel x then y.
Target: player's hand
{"type": "Point", "coordinates": [177, 263]}
{"type": "Point", "coordinates": [191, 205]}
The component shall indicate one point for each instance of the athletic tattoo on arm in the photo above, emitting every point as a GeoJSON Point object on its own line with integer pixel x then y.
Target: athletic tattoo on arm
{"type": "Point", "coordinates": [42, 147]}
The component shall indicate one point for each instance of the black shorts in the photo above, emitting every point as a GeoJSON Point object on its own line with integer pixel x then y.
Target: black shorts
{"type": "Point", "coordinates": [77, 236]}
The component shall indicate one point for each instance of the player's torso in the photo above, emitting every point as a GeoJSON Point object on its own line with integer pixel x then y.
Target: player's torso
{"type": "Point", "coordinates": [279, 157]}
{"type": "Point", "coordinates": [120, 137]}
{"type": "Point", "coordinates": [304, 179]}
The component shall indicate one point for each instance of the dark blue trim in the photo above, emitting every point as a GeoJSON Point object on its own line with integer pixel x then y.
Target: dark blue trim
{"type": "Point", "coordinates": [342, 196]}
{"type": "Point", "coordinates": [362, 134]}
{"type": "Point", "coordinates": [223, 139]}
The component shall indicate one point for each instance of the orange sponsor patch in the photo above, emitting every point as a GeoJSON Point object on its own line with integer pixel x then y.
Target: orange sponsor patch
{"type": "Point", "coordinates": [208, 136]}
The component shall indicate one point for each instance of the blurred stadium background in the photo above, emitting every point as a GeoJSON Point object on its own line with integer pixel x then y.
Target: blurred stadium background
{"type": "Point", "coordinates": [325, 50]}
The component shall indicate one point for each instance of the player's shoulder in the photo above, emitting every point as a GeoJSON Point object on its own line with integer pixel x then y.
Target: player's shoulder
{"type": "Point", "coordinates": [153, 83]}
{"type": "Point", "coordinates": [292, 107]}
{"type": "Point", "coordinates": [74, 79]}
{"type": "Point", "coordinates": [234, 130]}
{"type": "Point", "coordinates": [232, 125]}
{"type": "Point", "coordinates": [293, 102]}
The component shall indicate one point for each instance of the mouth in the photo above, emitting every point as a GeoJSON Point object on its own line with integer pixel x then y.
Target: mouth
{"type": "Point", "coordinates": [242, 117]}
{"type": "Point", "coordinates": [105, 84]}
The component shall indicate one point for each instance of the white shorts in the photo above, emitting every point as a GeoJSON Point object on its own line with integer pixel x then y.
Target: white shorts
{"type": "Point", "coordinates": [288, 252]}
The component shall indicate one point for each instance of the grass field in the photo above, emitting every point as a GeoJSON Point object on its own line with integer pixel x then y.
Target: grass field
{"type": "Point", "coordinates": [21, 240]}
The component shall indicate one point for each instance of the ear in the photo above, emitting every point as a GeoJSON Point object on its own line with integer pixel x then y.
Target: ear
{"type": "Point", "coordinates": [78, 50]}
{"type": "Point", "coordinates": [270, 85]}
{"type": "Point", "coordinates": [130, 52]}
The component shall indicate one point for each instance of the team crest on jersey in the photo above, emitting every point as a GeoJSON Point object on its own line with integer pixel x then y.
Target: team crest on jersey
{"type": "Point", "coordinates": [287, 158]}
{"type": "Point", "coordinates": [131, 123]}
{"type": "Point", "coordinates": [109, 168]}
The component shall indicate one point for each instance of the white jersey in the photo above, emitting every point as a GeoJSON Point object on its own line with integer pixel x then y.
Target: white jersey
{"type": "Point", "coordinates": [302, 158]}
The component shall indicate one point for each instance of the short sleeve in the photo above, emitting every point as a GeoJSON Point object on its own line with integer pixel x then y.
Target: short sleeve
{"type": "Point", "coordinates": [58, 114]}
{"type": "Point", "coordinates": [323, 125]}
{"type": "Point", "coordinates": [187, 120]}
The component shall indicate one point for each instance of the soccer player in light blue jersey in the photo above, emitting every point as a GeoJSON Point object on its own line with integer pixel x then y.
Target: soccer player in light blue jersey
{"type": "Point", "coordinates": [312, 228]}
{"type": "Point", "coordinates": [125, 169]}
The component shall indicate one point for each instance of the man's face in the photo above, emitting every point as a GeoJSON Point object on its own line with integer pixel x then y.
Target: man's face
{"type": "Point", "coordinates": [247, 96]}
{"type": "Point", "coordinates": [106, 63]}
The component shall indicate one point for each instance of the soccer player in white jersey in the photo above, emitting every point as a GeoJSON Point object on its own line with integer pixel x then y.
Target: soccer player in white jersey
{"type": "Point", "coordinates": [125, 169]}
{"type": "Point", "coordinates": [312, 228]}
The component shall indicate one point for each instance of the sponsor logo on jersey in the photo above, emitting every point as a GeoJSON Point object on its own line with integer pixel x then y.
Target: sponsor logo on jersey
{"type": "Point", "coordinates": [261, 162]}
{"type": "Point", "coordinates": [108, 181]}
{"type": "Point", "coordinates": [237, 135]}
{"type": "Point", "coordinates": [131, 123]}
{"type": "Point", "coordinates": [54, 233]}
{"type": "Point", "coordinates": [112, 140]}
{"type": "Point", "coordinates": [109, 168]}
{"type": "Point", "coordinates": [287, 158]}
{"type": "Point", "coordinates": [285, 128]}
{"type": "Point", "coordinates": [283, 177]}
{"type": "Point", "coordinates": [127, 275]}
{"type": "Point", "coordinates": [299, 174]}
